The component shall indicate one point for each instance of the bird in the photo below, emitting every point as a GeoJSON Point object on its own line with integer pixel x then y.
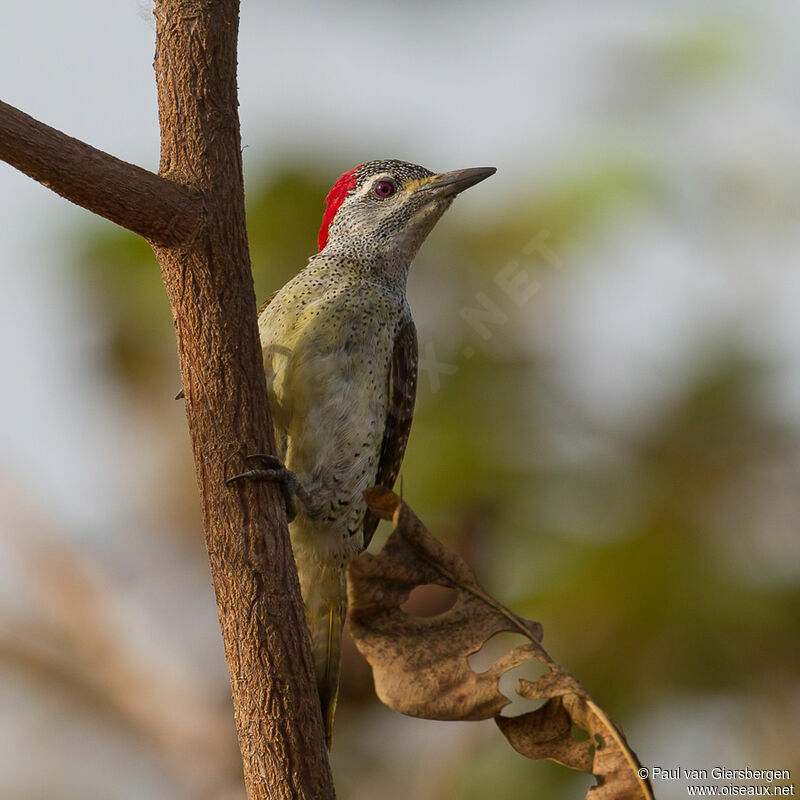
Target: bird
{"type": "Point", "coordinates": [340, 357]}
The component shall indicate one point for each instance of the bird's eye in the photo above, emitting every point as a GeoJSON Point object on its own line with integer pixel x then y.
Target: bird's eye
{"type": "Point", "coordinates": [384, 188]}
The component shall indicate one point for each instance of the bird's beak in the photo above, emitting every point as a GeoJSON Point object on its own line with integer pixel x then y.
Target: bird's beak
{"type": "Point", "coordinates": [449, 184]}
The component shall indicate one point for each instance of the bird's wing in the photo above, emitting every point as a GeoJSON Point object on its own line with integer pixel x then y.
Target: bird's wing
{"type": "Point", "coordinates": [402, 394]}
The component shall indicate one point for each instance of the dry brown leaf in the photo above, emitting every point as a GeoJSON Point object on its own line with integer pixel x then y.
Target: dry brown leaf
{"type": "Point", "coordinates": [421, 669]}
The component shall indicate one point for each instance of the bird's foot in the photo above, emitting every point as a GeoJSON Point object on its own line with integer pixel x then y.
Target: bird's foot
{"type": "Point", "coordinates": [273, 469]}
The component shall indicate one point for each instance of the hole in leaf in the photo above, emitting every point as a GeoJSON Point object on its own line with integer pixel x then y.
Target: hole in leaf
{"type": "Point", "coordinates": [600, 741]}
{"type": "Point", "coordinates": [495, 648]}
{"type": "Point", "coordinates": [579, 734]}
{"type": "Point", "coordinates": [430, 600]}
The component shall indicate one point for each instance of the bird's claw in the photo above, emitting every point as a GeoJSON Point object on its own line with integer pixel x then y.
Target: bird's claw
{"type": "Point", "coordinates": [274, 470]}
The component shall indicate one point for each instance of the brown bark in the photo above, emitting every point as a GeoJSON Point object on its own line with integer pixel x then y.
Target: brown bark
{"type": "Point", "coordinates": [210, 287]}
{"type": "Point", "coordinates": [206, 269]}
{"type": "Point", "coordinates": [126, 194]}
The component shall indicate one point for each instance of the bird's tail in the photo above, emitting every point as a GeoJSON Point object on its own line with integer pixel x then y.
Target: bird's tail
{"type": "Point", "coordinates": [328, 659]}
{"type": "Point", "coordinates": [326, 608]}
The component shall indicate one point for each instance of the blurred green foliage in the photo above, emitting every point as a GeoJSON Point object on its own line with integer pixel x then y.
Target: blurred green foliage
{"type": "Point", "coordinates": [702, 50]}
{"type": "Point", "coordinates": [129, 299]}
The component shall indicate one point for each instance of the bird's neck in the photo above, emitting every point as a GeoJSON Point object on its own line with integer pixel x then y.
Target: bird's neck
{"type": "Point", "coordinates": [387, 268]}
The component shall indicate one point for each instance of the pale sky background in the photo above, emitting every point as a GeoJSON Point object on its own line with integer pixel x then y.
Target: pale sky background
{"type": "Point", "coordinates": [518, 85]}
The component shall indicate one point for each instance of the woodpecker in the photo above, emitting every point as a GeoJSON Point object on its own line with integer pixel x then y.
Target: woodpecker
{"type": "Point", "coordinates": [340, 356]}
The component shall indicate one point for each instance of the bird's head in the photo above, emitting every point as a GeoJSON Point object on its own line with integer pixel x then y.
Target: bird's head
{"type": "Point", "coordinates": [385, 209]}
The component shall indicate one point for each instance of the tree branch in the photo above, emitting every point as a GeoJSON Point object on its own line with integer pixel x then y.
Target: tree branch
{"type": "Point", "coordinates": [210, 287]}
{"type": "Point", "coordinates": [140, 201]}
